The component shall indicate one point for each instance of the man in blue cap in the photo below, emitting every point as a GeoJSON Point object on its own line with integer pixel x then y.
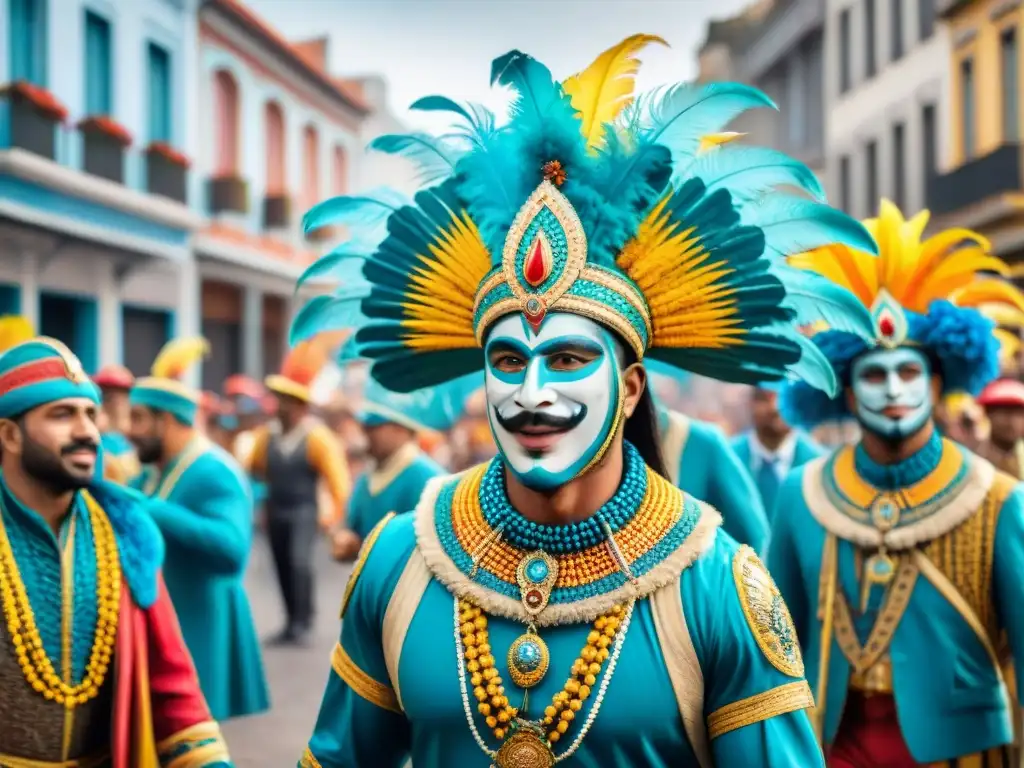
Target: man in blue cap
{"type": "Point", "coordinates": [400, 470]}
{"type": "Point", "coordinates": [202, 503]}
{"type": "Point", "coordinates": [81, 589]}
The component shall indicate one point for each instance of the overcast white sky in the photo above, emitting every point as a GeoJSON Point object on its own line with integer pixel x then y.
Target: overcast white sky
{"type": "Point", "coordinates": [424, 47]}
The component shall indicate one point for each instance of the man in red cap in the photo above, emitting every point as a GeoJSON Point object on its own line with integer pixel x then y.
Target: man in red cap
{"type": "Point", "coordinates": [1003, 401]}
{"type": "Point", "coordinates": [119, 460]}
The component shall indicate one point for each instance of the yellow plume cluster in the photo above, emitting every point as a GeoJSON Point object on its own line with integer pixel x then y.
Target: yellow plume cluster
{"type": "Point", "coordinates": [14, 330]}
{"type": "Point", "coordinates": [949, 265]}
{"type": "Point", "coordinates": [605, 88]}
{"type": "Point", "coordinates": [178, 355]}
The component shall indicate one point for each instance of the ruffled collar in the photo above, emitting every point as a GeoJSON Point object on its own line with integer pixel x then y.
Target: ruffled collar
{"type": "Point", "coordinates": [904, 474]}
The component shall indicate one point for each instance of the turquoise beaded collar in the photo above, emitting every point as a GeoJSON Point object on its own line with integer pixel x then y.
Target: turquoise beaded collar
{"type": "Point", "coordinates": [485, 551]}
{"type": "Point", "coordinates": [889, 477]}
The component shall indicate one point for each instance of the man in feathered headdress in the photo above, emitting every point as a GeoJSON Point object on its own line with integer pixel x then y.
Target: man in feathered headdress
{"type": "Point", "coordinates": [556, 254]}
{"type": "Point", "coordinates": [93, 666]}
{"type": "Point", "coordinates": [120, 463]}
{"type": "Point", "coordinates": [900, 557]}
{"type": "Point", "coordinates": [292, 455]}
{"type": "Point", "coordinates": [201, 501]}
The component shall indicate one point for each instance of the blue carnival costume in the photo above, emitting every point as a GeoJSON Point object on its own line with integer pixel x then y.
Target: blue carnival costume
{"type": "Point", "coordinates": [699, 460]}
{"type": "Point", "coordinates": [904, 579]}
{"type": "Point", "coordinates": [85, 603]}
{"type": "Point", "coordinates": [202, 503]}
{"type": "Point", "coordinates": [581, 212]}
{"type": "Point", "coordinates": [397, 484]}
{"type": "Point", "coordinates": [768, 471]}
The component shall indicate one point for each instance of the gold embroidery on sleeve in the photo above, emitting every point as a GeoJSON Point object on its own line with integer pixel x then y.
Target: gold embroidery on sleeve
{"type": "Point", "coordinates": [766, 613]}
{"type": "Point", "coordinates": [364, 553]}
{"type": "Point", "coordinates": [361, 683]}
{"type": "Point", "coordinates": [196, 746]}
{"type": "Point", "coordinates": [308, 761]}
{"type": "Point", "coordinates": [762, 706]}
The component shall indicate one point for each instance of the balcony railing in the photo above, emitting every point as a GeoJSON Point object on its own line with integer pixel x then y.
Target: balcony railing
{"type": "Point", "coordinates": [992, 174]}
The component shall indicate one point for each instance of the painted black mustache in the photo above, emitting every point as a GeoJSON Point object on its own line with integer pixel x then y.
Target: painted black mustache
{"type": "Point", "coordinates": [79, 445]}
{"type": "Point", "coordinates": [525, 419]}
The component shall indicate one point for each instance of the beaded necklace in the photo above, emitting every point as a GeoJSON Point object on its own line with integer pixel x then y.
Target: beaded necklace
{"type": "Point", "coordinates": [529, 743]}
{"type": "Point", "coordinates": [36, 666]}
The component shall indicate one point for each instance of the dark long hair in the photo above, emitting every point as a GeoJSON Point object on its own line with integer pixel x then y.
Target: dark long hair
{"type": "Point", "coordinates": [641, 430]}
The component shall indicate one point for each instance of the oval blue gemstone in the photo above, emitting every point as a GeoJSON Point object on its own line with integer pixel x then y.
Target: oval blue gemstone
{"type": "Point", "coordinates": [537, 570]}
{"type": "Point", "coordinates": [528, 656]}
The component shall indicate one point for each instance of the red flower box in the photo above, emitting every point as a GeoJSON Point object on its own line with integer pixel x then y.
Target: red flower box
{"type": "Point", "coordinates": [44, 101]}
{"type": "Point", "coordinates": [168, 153]}
{"type": "Point", "coordinates": [106, 125]}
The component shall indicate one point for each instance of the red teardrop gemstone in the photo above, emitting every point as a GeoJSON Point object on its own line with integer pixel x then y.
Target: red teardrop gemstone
{"type": "Point", "coordinates": [887, 326]}
{"type": "Point", "coordinates": [534, 598]}
{"type": "Point", "coordinates": [535, 270]}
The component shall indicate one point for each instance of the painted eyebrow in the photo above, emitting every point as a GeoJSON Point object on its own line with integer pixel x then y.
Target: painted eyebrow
{"type": "Point", "coordinates": [570, 344]}
{"type": "Point", "coordinates": [507, 345]}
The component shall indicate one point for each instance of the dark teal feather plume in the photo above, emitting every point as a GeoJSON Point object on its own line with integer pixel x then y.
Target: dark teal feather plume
{"type": "Point", "coordinates": [366, 210]}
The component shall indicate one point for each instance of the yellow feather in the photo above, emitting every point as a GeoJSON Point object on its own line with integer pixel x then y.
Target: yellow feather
{"type": "Point", "coordinates": [601, 91]}
{"type": "Point", "coordinates": [989, 291]}
{"type": "Point", "coordinates": [1001, 314]}
{"type": "Point", "coordinates": [1009, 343]}
{"type": "Point", "coordinates": [178, 355]}
{"type": "Point", "coordinates": [14, 330]}
{"type": "Point", "coordinates": [713, 140]}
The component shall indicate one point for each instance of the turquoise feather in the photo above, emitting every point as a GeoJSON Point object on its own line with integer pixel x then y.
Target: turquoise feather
{"type": "Point", "coordinates": [750, 172]}
{"type": "Point", "coordinates": [812, 367]}
{"type": "Point", "coordinates": [794, 225]}
{"type": "Point", "coordinates": [324, 313]}
{"type": "Point", "coordinates": [679, 116]}
{"type": "Point", "coordinates": [480, 123]}
{"type": "Point", "coordinates": [815, 298]}
{"type": "Point", "coordinates": [537, 93]}
{"type": "Point", "coordinates": [434, 158]}
{"type": "Point", "coordinates": [368, 209]}
{"type": "Point", "coordinates": [342, 264]}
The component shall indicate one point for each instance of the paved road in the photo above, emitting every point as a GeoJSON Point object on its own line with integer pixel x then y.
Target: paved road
{"type": "Point", "coordinates": [297, 677]}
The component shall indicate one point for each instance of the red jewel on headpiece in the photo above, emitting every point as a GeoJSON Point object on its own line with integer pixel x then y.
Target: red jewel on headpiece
{"type": "Point", "coordinates": [535, 270]}
{"type": "Point", "coordinates": [887, 327]}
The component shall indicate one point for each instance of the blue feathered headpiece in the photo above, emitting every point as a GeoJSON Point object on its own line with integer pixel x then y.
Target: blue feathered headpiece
{"type": "Point", "coordinates": [929, 293]}
{"type": "Point", "coordinates": [636, 212]}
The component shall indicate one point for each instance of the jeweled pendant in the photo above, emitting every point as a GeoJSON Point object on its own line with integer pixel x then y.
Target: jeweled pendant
{"type": "Point", "coordinates": [879, 570]}
{"type": "Point", "coordinates": [885, 513]}
{"type": "Point", "coordinates": [528, 660]}
{"type": "Point", "coordinates": [536, 576]}
{"type": "Point", "coordinates": [524, 749]}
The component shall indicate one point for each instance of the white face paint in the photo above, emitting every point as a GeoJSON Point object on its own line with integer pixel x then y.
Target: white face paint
{"type": "Point", "coordinates": [553, 396]}
{"type": "Point", "coordinates": [893, 391]}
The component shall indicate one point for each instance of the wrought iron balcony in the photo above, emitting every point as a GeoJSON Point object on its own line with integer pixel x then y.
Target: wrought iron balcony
{"type": "Point", "coordinates": [992, 174]}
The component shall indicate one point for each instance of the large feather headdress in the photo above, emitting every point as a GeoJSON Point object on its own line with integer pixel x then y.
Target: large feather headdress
{"type": "Point", "coordinates": [938, 293]}
{"type": "Point", "coordinates": [637, 212]}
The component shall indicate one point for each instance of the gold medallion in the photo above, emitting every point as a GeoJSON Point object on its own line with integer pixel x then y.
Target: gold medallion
{"type": "Point", "coordinates": [885, 513]}
{"type": "Point", "coordinates": [524, 749]}
{"type": "Point", "coordinates": [879, 570]}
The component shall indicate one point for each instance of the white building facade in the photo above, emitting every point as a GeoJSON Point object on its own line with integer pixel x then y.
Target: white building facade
{"type": "Point", "coordinates": [886, 83]}
{"type": "Point", "coordinates": [95, 145]}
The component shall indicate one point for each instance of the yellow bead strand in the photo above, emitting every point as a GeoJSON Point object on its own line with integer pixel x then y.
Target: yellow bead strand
{"type": "Point", "coordinates": [36, 666]}
{"type": "Point", "coordinates": [489, 689]}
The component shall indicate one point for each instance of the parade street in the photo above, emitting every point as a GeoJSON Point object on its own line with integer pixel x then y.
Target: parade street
{"type": "Point", "coordinates": [296, 676]}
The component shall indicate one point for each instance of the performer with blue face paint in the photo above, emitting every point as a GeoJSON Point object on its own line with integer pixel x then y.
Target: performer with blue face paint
{"type": "Point", "coordinates": [900, 557]}
{"type": "Point", "coordinates": [565, 602]}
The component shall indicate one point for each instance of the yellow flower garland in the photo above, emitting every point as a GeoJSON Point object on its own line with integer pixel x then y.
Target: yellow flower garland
{"type": "Point", "coordinates": [489, 690]}
{"type": "Point", "coordinates": [36, 666]}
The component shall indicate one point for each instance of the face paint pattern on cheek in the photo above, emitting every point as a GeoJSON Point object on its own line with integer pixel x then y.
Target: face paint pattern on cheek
{"type": "Point", "coordinates": [879, 383]}
{"type": "Point", "coordinates": [587, 400]}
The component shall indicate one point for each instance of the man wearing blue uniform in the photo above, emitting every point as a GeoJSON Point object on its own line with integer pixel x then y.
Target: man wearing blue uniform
{"type": "Point", "coordinates": [900, 557]}
{"type": "Point", "coordinates": [564, 601]}
{"type": "Point", "coordinates": [202, 503]}
{"type": "Point", "coordinates": [772, 448]}
{"type": "Point", "coordinates": [400, 470]}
